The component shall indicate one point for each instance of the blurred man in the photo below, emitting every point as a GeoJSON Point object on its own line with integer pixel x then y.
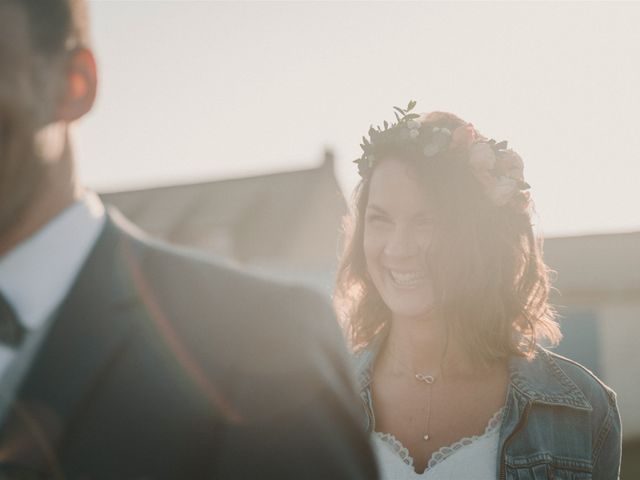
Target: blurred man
{"type": "Point", "coordinates": [119, 356]}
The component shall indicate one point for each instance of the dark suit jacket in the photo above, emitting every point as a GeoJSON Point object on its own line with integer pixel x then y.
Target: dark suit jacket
{"type": "Point", "coordinates": [160, 365]}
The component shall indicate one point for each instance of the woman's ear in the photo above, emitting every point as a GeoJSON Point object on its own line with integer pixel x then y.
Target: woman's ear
{"type": "Point", "coordinates": [81, 85]}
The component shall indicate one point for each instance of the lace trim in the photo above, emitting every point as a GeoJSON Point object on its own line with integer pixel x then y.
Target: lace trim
{"type": "Point", "coordinates": [396, 445]}
{"type": "Point", "coordinates": [445, 452]}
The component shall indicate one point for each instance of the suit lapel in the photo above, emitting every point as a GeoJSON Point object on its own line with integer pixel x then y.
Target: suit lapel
{"type": "Point", "coordinates": [88, 329]}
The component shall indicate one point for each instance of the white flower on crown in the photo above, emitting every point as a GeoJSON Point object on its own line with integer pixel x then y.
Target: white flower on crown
{"type": "Point", "coordinates": [511, 165]}
{"type": "Point", "coordinates": [443, 130]}
{"type": "Point", "coordinates": [413, 124]}
{"type": "Point", "coordinates": [482, 157]}
{"type": "Point", "coordinates": [503, 190]}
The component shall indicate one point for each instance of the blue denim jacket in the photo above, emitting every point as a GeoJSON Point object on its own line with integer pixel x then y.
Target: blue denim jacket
{"type": "Point", "coordinates": [559, 422]}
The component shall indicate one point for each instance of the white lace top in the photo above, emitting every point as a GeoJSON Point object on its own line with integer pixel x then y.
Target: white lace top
{"type": "Point", "coordinates": [469, 458]}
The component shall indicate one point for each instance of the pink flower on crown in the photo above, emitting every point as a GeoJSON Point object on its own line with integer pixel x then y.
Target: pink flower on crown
{"type": "Point", "coordinates": [463, 136]}
{"type": "Point", "coordinates": [500, 173]}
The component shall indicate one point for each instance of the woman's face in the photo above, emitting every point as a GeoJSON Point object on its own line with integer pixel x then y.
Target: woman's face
{"type": "Point", "coordinates": [398, 231]}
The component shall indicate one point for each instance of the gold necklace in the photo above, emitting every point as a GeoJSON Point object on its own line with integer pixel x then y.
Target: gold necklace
{"type": "Point", "coordinates": [428, 379]}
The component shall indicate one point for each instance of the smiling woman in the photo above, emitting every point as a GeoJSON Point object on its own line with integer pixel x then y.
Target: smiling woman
{"type": "Point", "coordinates": [444, 296]}
{"type": "Point", "coordinates": [398, 234]}
{"type": "Point", "coordinates": [460, 214]}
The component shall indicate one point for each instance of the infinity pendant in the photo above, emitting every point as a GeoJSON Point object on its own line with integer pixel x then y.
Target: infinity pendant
{"type": "Point", "coordinates": [425, 378]}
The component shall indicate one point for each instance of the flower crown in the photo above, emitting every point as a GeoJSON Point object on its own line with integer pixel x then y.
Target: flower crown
{"type": "Point", "coordinates": [497, 168]}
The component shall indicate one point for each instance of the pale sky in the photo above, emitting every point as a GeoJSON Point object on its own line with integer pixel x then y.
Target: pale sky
{"type": "Point", "coordinates": [195, 90]}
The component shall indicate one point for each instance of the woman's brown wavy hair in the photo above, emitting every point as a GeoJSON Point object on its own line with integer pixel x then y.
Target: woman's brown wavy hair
{"type": "Point", "coordinates": [491, 284]}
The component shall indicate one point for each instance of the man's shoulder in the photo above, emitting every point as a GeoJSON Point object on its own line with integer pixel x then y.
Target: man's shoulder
{"type": "Point", "coordinates": [191, 283]}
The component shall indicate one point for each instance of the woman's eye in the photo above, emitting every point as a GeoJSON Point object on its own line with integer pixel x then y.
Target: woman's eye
{"type": "Point", "coordinates": [426, 222]}
{"type": "Point", "coordinates": [378, 219]}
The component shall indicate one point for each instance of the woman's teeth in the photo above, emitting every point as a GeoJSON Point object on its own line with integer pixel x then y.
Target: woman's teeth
{"type": "Point", "coordinates": [407, 279]}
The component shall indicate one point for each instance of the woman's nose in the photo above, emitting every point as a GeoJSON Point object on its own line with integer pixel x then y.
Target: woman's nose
{"type": "Point", "coordinates": [402, 243]}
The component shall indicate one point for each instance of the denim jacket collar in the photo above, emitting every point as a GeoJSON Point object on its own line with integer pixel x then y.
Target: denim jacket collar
{"type": "Point", "coordinates": [543, 381]}
{"type": "Point", "coordinates": [540, 379]}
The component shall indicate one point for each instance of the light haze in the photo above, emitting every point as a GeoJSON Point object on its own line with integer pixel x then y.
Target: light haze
{"type": "Point", "coordinates": [194, 91]}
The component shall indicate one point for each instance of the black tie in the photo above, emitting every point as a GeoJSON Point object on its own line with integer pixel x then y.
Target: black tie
{"type": "Point", "coordinates": [11, 332]}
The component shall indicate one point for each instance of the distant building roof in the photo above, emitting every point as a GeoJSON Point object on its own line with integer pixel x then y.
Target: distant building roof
{"type": "Point", "coordinates": [243, 218]}
{"type": "Point", "coordinates": [596, 265]}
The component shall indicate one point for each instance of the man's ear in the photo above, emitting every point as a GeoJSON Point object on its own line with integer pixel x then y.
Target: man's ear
{"type": "Point", "coordinates": [81, 85]}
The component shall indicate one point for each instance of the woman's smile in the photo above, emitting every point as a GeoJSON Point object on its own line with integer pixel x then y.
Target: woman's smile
{"type": "Point", "coordinates": [410, 279]}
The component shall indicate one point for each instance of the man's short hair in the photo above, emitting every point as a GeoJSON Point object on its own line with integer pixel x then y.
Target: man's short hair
{"type": "Point", "coordinates": [55, 25]}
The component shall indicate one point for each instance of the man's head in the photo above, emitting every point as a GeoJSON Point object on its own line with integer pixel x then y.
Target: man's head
{"type": "Point", "coordinates": [54, 26]}
{"type": "Point", "coordinates": [47, 80]}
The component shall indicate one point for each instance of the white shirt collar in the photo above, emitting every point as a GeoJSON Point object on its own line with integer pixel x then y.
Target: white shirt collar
{"type": "Point", "coordinates": [36, 275]}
